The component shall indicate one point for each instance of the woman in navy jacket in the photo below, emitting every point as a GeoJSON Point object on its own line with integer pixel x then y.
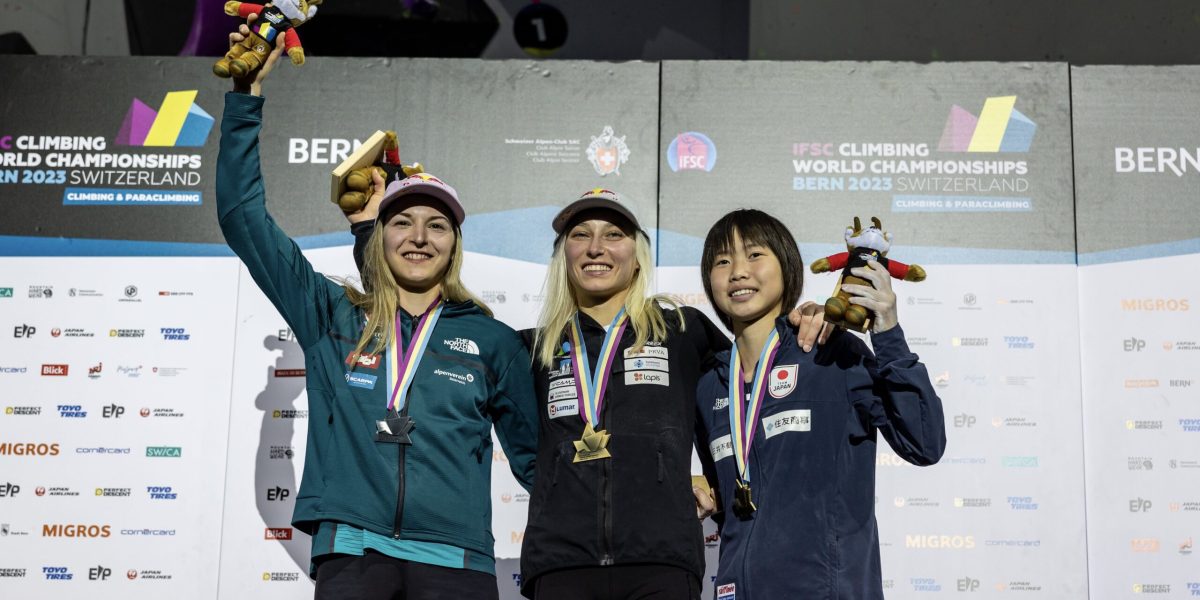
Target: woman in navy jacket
{"type": "Point", "coordinates": [795, 461]}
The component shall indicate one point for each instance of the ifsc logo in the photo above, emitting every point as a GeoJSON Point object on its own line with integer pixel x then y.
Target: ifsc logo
{"type": "Point", "coordinates": [692, 151]}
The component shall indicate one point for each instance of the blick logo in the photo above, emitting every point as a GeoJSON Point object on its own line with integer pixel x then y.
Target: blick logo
{"type": "Point", "coordinates": [999, 128]}
{"type": "Point", "coordinates": [179, 121]}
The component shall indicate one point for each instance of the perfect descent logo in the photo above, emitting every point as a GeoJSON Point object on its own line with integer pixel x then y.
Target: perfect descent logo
{"type": "Point", "coordinates": [1000, 127]}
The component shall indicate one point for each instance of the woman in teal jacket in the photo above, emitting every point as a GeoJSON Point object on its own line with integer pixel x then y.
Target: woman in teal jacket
{"type": "Point", "coordinates": [404, 384]}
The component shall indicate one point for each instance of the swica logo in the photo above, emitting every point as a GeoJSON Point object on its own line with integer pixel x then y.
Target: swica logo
{"type": "Point", "coordinates": [179, 122]}
{"type": "Point", "coordinates": [164, 451]}
{"type": "Point", "coordinates": [1000, 127]}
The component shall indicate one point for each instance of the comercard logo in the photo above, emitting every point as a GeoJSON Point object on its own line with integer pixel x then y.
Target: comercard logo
{"type": "Point", "coordinates": [607, 152]}
{"type": "Point", "coordinates": [126, 333]}
{"type": "Point", "coordinates": [278, 533]}
{"type": "Point", "coordinates": [107, 450]}
{"type": "Point", "coordinates": [164, 451]}
{"type": "Point", "coordinates": [13, 370]}
{"type": "Point", "coordinates": [1000, 127]}
{"type": "Point", "coordinates": [691, 151]}
{"type": "Point", "coordinates": [1156, 304]}
{"type": "Point", "coordinates": [175, 334]}
{"type": "Point", "coordinates": [178, 122]}
{"type": "Point", "coordinates": [147, 532]}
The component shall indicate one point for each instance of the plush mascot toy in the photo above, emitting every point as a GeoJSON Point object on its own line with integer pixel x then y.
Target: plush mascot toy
{"type": "Point", "coordinates": [274, 19]}
{"type": "Point", "coordinates": [871, 243]}
{"type": "Point", "coordinates": [352, 179]}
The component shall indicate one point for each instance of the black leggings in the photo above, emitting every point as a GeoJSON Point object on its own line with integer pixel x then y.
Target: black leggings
{"type": "Point", "coordinates": [374, 576]}
{"type": "Point", "coordinates": [621, 582]}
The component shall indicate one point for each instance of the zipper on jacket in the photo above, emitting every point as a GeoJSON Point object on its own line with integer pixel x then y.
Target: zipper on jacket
{"type": "Point", "coordinates": [606, 558]}
{"type": "Point", "coordinates": [399, 493]}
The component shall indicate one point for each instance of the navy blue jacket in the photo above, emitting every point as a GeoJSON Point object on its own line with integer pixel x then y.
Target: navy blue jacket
{"type": "Point", "coordinates": [812, 464]}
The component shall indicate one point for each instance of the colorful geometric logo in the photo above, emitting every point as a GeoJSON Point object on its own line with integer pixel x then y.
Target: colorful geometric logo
{"type": "Point", "coordinates": [179, 121]}
{"type": "Point", "coordinates": [999, 128]}
{"type": "Point", "coordinates": [691, 151]}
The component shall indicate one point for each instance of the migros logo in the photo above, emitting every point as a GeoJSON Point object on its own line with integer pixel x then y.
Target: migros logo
{"type": "Point", "coordinates": [1155, 305]}
{"type": "Point", "coordinates": [939, 542]}
{"type": "Point", "coordinates": [1000, 127]}
{"type": "Point", "coordinates": [76, 531]}
{"type": "Point", "coordinates": [179, 122]}
{"type": "Point", "coordinates": [28, 449]}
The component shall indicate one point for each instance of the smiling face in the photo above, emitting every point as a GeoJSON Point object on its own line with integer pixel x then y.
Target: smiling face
{"type": "Point", "coordinates": [600, 251]}
{"type": "Point", "coordinates": [418, 241]}
{"type": "Point", "coordinates": [746, 282]}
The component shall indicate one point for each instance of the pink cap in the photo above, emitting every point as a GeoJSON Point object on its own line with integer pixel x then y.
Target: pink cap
{"type": "Point", "coordinates": [426, 185]}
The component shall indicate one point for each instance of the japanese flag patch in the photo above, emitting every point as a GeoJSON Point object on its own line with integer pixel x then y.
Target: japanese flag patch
{"type": "Point", "coordinates": [782, 381]}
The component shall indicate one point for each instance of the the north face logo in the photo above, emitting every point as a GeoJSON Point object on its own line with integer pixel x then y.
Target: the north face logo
{"type": "Point", "coordinates": [463, 345]}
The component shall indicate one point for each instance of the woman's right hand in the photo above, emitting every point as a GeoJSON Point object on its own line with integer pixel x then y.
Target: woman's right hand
{"type": "Point", "coordinates": [252, 82]}
{"type": "Point", "coordinates": [370, 211]}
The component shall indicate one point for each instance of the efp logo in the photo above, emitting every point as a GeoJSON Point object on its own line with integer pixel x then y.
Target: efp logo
{"type": "Point", "coordinates": [179, 121]}
{"type": "Point", "coordinates": [1000, 127]}
{"type": "Point", "coordinates": [691, 151]}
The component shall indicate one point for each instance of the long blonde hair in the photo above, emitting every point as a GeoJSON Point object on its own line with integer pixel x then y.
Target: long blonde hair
{"type": "Point", "coordinates": [560, 306]}
{"type": "Point", "coordinates": [381, 300]}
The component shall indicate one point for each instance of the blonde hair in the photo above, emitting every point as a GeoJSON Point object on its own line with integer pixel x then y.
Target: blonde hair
{"type": "Point", "coordinates": [645, 315]}
{"type": "Point", "coordinates": [381, 300]}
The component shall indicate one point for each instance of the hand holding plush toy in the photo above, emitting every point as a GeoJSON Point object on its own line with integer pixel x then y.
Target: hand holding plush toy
{"type": "Point", "coordinates": [274, 19]}
{"type": "Point", "coordinates": [388, 166]}
{"type": "Point", "coordinates": [863, 245]}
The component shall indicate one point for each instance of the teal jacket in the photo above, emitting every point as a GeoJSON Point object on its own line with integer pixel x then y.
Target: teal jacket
{"type": "Point", "coordinates": [475, 372]}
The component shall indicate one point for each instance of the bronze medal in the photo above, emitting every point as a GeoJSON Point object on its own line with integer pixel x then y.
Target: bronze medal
{"type": "Point", "coordinates": [592, 446]}
{"type": "Point", "coordinates": [743, 505]}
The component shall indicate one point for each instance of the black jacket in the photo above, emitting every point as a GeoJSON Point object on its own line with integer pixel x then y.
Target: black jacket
{"type": "Point", "coordinates": [638, 506]}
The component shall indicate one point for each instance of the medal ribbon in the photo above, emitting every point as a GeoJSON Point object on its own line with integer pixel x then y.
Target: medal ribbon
{"type": "Point", "coordinates": [743, 413]}
{"type": "Point", "coordinates": [402, 369]}
{"type": "Point", "coordinates": [590, 390]}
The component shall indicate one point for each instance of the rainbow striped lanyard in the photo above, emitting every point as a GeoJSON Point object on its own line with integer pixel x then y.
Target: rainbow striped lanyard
{"type": "Point", "coordinates": [743, 412]}
{"type": "Point", "coordinates": [590, 391]}
{"type": "Point", "coordinates": [403, 369]}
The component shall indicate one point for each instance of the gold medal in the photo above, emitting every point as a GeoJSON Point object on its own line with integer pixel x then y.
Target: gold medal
{"type": "Point", "coordinates": [592, 446]}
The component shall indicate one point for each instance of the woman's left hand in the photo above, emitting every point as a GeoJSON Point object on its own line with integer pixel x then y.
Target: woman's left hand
{"type": "Point", "coordinates": [880, 298]}
{"type": "Point", "coordinates": [809, 320]}
{"type": "Point", "coordinates": [706, 503]}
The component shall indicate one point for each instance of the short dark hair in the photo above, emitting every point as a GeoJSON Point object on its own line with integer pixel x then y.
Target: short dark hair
{"type": "Point", "coordinates": [754, 226]}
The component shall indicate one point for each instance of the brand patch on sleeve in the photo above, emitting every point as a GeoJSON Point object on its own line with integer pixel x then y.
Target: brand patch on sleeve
{"type": "Point", "coordinates": [783, 380]}
{"type": "Point", "coordinates": [721, 447]}
{"type": "Point", "coordinates": [727, 591]}
{"type": "Point", "coordinates": [788, 420]}
{"type": "Point", "coordinates": [361, 380]}
{"type": "Point", "coordinates": [563, 408]}
{"type": "Point", "coordinates": [647, 377]}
